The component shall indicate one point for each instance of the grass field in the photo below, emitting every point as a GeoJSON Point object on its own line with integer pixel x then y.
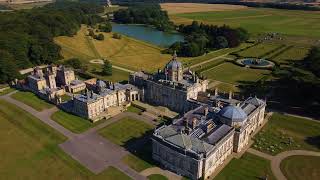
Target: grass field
{"type": "Point", "coordinates": [260, 20]}
{"type": "Point", "coordinates": [117, 75]}
{"type": "Point", "coordinates": [136, 163]}
{"type": "Point", "coordinates": [231, 73]}
{"type": "Point", "coordinates": [125, 52]}
{"type": "Point", "coordinates": [260, 50]}
{"type": "Point", "coordinates": [292, 54]}
{"type": "Point", "coordinates": [177, 8]}
{"type": "Point", "coordinates": [248, 167]}
{"type": "Point", "coordinates": [284, 133]}
{"type": "Point", "coordinates": [301, 167]}
{"type": "Point", "coordinates": [73, 123]}
{"type": "Point", "coordinates": [29, 149]}
{"type": "Point", "coordinates": [157, 177]}
{"type": "Point", "coordinates": [7, 91]}
{"type": "Point", "coordinates": [32, 100]}
{"type": "Point", "coordinates": [125, 129]}
{"type": "Point", "coordinates": [134, 109]}
{"type": "Point", "coordinates": [191, 61]}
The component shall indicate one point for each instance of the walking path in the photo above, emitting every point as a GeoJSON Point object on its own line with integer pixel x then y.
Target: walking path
{"type": "Point", "coordinates": [44, 116]}
{"type": "Point", "coordinates": [99, 61]}
{"type": "Point", "coordinates": [277, 159]}
{"type": "Point", "coordinates": [209, 60]}
{"type": "Point", "coordinates": [89, 148]}
{"type": "Point", "coordinates": [156, 170]}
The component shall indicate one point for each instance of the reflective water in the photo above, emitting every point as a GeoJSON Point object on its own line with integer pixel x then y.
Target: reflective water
{"type": "Point", "coordinates": [148, 34]}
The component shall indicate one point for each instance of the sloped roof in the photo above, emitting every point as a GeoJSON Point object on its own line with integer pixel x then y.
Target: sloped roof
{"type": "Point", "coordinates": [233, 113]}
{"type": "Point", "coordinates": [255, 101]}
{"type": "Point", "coordinates": [187, 142]}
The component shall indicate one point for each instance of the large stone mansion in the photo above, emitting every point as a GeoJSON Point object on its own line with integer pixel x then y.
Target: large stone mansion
{"type": "Point", "coordinates": [210, 127]}
{"type": "Point", "coordinates": [173, 87]}
{"type": "Point", "coordinates": [196, 144]}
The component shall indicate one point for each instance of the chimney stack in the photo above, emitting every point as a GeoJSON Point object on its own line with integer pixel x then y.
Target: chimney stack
{"type": "Point", "coordinates": [230, 94]}
{"type": "Point", "coordinates": [194, 123]}
{"type": "Point", "coordinates": [216, 91]}
{"type": "Point", "coordinates": [206, 111]}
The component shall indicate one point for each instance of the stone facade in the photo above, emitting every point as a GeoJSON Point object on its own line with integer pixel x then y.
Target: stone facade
{"type": "Point", "coordinates": [171, 87]}
{"type": "Point", "coordinates": [102, 96]}
{"type": "Point", "coordinates": [199, 142]}
{"type": "Point", "coordinates": [65, 76]}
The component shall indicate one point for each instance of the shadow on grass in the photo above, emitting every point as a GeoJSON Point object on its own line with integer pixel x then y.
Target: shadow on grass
{"type": "Point", "coordinates": [141, 147]}
{"type": "Point", "coordinates": [314, 141]}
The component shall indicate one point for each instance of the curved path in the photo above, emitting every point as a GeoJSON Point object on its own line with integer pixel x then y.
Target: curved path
{"type": "Point", "coordinates": [276, 160]}
{"type": "Point", "coordinates": [156, 170]}
{"type": "Point", "coordinates": [99, 61]}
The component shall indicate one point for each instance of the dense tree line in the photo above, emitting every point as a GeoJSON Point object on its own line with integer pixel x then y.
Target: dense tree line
{"type": "Point", "coordinates": [200, 38]}
{"type": "Point", "coordinates": [282, 5]}
{"type": "Point", "coordinates": [312, 61]}
{"type": "Point", "coordinates": [150, 14]}
{"type": "Point", "coordinates": [26, 36]}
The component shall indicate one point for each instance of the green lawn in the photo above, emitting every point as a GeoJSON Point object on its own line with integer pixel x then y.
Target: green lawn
{"type": "Point", "coordinates": [231, 73]}
{"type": "Point", "coordinates": [157, 177]}
{"type": "Point", "coordinates": [225, 87]}
{"type": "Point", "coordinates": [7, 91]}
{"type": "Point", "coordinates": [74, 123]}
{"type": "Point", "coordinates": [136, 163]}
{"type": "Point", "coordinates": [134, 109]}
{"type": "Point", "coordinates": [29, 149]}
{"type": "Point", "coordinates": [260, 50]}
{"type": "Point", "coordinates": [207, 66]}
{"type": "Point", "coordinates": [292, 54]}
{"type": "Point", "coordinates": [301, 167]}
{"type": "Point", "coordinates": [283, 133]}
{"type": "Point", "coordinates": [261, 20]}
{"type": "Point", "coordinates": [111, 173]}
{"type": "Point", "coordinates": [191, 61]}
{"type": "Point", "coordinates": [117, 75]}
{"type": "Point", "coordinates": [248, 167]}
{"type": "Point", "coordinates": [32, 100]}
{"type": "Point", "coordinates": [124, 130]}
{"type": "Point", "coordinates": [65, 98]}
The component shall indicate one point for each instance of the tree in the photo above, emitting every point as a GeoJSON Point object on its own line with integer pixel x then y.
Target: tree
{"type": "Point", "coordinates": [91, 33]}
{"type": "Point", "coordinates": [107, 27]}
{"type": "Point", "coordinates": [107, 68]}
{"type": "Point", "coordinates": [221, 42]}
{"type": "Point", "coordinates": [116, 36]}
{"type": "Point", "coordinates": [74, 62]}
{"type": "Point", "coordinates": [8, 69]}
{"type": "Point", "coordinates": [99, 37]}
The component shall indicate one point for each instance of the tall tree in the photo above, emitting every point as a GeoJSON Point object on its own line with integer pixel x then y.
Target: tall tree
{"type": "Point", "coordinates": [107, 68]}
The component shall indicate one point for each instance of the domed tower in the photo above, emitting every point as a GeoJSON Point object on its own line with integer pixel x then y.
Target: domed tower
{"type": "Point", "coordinates": [232, 116]}
{"type": "Point", "coordinates": [174, 69]}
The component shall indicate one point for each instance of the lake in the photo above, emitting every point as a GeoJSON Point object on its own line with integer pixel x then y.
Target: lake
{"type": "Point", "coordinates": [147, 34]}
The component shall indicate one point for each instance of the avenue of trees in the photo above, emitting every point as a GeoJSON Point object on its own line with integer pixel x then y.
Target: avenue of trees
{"type": "Point", "coordinates": [200, 38]}
{"type": "Point", "coordinates": [150, 14]}
{"type": "Point", "coordinates": [26, 36]}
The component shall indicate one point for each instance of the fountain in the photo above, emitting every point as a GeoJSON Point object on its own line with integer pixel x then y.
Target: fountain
{"type": "Point", "coordinates": [256, 63]}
